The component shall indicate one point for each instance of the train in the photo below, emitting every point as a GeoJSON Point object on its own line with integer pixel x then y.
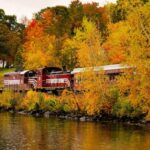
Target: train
{"type": "Point", "coordinates": [54, 79]}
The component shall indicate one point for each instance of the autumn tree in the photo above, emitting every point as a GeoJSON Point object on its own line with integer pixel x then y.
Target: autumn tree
{"type": "Point", "coordinates": [9, 44]}
{"type": "Point", "coordinates": [76, 15]}
{"type": "Point", "coordinates": [69, 54]}
{"type": "Point", "coordinates": [98, 15]}
{"type": "Point", "coordinates": [39, 48]}
{"type": "Point", "coordinates": [84, 49]}
{"type": "Point", "coordinates": [55, 20]}
{"type": "Point", "coordinates": [134, 86]}
{"type": "Point", "coordinates": [119, 11]}
{"type": "Point", "coordinates": [87, 41]}
{"type": "Point", "coordinates": [140, 55]}
{"type": "Point", "coordinates": [117, 43]}
{"type": "Point", "coordinates": [113, 12]}
{"type": "Point", "coordinates": [10, 37]}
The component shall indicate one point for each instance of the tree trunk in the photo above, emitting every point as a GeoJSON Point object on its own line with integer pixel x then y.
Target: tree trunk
{"type": "Point", "coordinates": [7, 64]}
{"type": "Point", "coordinates": [3, 63]}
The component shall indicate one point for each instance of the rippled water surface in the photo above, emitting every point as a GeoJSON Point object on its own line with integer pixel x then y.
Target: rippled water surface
{"type": "Point", "coordinates": [19, 132]}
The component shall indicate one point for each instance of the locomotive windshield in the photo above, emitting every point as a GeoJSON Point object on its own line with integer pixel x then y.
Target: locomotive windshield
{"type": "Point", "coordinates": [29, 74]}
{"type": "Point", "coordinates": [49, 70]}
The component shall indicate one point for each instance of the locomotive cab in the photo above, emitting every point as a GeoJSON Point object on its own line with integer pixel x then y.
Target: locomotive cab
{"type": "Point", "coordinates": [53, 79]}
{"type": "Point", "coordinates": [42, 74]}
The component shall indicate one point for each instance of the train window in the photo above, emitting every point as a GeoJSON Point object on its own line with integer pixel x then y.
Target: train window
{"type": "Point", "coordinates": [49, 70]}
{"type": "Point", "coordinates": [56, 72]}
{"type": "Point", "coordinates": [6, 75]}
{"type": "Point", "coordinates": [112, 77]}
{"type": "Point", "coordinates": [31, 73]}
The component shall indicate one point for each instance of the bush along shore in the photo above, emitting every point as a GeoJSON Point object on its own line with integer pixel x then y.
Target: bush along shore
{"type": "Point", "coordinates": [68, 106]}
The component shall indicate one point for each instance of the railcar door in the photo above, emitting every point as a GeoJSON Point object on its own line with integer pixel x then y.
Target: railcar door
{"type": "Point", "coordinates": [40, 78]}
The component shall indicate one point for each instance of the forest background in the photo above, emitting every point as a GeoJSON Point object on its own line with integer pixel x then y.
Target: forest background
{"type": "Point", "coordinates": [86, 35]}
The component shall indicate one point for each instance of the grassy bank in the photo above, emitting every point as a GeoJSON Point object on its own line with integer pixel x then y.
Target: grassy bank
{"type": "Point", "coordinates": [2, 72]}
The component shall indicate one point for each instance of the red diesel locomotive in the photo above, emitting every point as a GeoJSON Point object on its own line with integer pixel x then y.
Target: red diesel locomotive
{"type": "Point", "coordinates": [54, 79]}
{"type": "Point", "coordinates": [43, 79]}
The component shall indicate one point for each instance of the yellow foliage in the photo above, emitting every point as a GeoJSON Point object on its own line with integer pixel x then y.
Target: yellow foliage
{"type": "Point", "coordinates": [69, 54]}
{"type": "Point", "coordinates": [139, 55]}
{"type": "Point", "coordinates": [117, 43]}
{"type": "Point", "coordinates": [71, 100]}
{"type": "Point", "coordinates": [96, 92]}
{"type": "Point", "coordinates": [88, 42]}
{"type": "Point", "coordinates": [5, 98]}
{"type": "Point", "coordinates": [9, 99]}
{"type": "Point", "coordinates": [30, 100]}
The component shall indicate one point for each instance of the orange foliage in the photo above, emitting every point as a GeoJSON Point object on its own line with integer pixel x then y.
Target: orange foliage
{"type": "Point", "coordinates": [47, 17]}
{"type": "Point", "coordinates": [33, 30]}
{"type": "Point", "coordinates": [39, 46]}
{"type": "Point", "coordinates": [117, 44]}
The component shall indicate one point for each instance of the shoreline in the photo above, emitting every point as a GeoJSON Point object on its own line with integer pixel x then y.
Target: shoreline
{"type": "Point", "coordinates": [76, 116]}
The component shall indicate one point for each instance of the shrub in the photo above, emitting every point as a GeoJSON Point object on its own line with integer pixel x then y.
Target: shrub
{"type": "Point", "coordinates": [72, 102]}
{"type": "Point", "coordinates": [124, 108]}
{"type": "Point", "coordinates": [30, 101]}
{"type": "Point", "coordinates": [9, 99]}
{"type": "Point", "coordinates": [52, 105]}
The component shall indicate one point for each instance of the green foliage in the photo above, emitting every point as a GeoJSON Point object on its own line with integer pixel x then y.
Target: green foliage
{"type": "Point", "coordinates": [114, 93]}
{"type": "Point", "coordinates": [18, 63]}
{"type": "Point", "coordinates": [124, 108]}
{"type": "Point", "coordinates": [6, 70]}
{"type": "Point", "coordinates": [10, 37]}
{"type": "Point", "coordinates": [66, 108]}
{"type": "Point", "coordinates": [12, 103]}
{"type": "Point", "coordinates": [76, 14]}
{"type": "Point", "coordinates": [53, 105]}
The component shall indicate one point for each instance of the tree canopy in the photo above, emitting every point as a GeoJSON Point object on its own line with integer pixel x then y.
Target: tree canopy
{"type": "Point", "coordinates": [10, 37]}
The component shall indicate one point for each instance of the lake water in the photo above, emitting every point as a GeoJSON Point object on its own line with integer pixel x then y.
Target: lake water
{"type": "Point", "coordinates": [18, 132]}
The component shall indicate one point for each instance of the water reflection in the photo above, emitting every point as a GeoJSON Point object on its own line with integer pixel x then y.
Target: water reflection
{"type": "Point", "coordinates": [29, 133]}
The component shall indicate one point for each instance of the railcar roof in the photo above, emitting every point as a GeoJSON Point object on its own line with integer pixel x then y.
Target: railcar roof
{"type": "Point", "coordinates": [98, 68]}
{"type": "Point", "coordinates": [19, 72]}
{"type": "Point", "coordinates": [52, 68]}
{"type": "Point", "coordinates": [11, 73]}
{"type": "Point", "coordinates": [23, 72]}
